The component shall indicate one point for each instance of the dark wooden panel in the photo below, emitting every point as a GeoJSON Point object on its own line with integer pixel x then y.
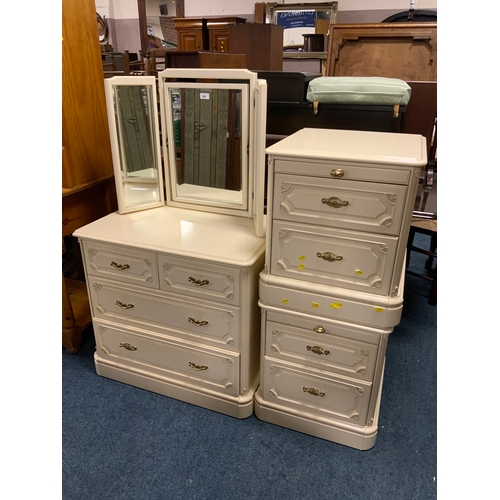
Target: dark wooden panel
{"type": "Point", "coordinates": [261, 43]}
{"type": "Point", "coordinates": [204, 59]}
{"type": "Point", "coordinates": [287, 118]}
{"type": "Point", "coordinates": [421, 112]}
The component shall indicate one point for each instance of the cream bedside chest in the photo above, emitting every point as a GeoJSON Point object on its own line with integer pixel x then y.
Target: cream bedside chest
{"type": "Point", "coordinates": [173, 279]}
{"type": "Point", "coordinates": [340, 205]}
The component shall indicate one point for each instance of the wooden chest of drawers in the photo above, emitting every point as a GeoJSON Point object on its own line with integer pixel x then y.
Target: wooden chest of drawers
{"type": "Point", "coordinates": [173, 311]}
{"type": "Point", "coordinates": [331, 292]}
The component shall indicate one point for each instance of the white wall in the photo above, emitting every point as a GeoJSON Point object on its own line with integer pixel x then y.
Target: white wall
{"type": "Point", "coordinates": [247, 7]}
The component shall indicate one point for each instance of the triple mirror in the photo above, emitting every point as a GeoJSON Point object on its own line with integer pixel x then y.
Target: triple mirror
{"type": "Point", "coordinates": [212, 140]}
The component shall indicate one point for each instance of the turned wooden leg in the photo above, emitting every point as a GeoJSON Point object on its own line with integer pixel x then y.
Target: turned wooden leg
{"type": "Point", "coordinates": [71, 334]}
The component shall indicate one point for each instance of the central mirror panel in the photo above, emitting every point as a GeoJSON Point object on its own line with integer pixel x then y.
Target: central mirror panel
{"type": "Point", "coordinates": [207, 133]}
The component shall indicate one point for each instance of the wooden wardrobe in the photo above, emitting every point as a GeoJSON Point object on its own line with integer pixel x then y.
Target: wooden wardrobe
{"type": "Point", "coordinates": [88, 190]}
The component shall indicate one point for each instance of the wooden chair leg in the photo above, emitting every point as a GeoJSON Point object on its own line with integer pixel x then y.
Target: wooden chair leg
{"type": "Point", "coordinates": [71, 333]}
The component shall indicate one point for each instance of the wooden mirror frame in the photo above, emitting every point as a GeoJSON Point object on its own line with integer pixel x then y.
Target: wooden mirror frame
{"type": "Point", "coordinates": [143, 25]}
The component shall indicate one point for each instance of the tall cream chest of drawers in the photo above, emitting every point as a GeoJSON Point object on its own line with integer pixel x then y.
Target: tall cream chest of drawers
{"type": "Point", "coordinates": [331, 292]}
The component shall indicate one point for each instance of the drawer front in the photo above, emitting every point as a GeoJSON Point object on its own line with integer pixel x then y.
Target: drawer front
{"type": "Point", "coordinates": [199, 279]}
{"type": "Point", "coordinates": [324, 351]}
{"type": "Point", "coordinates": [347, 259]}
{"type": "Point", "coordinates": [207, 368]}
{"type": "Point", "coordinates": [121, 263]}
{"type": "Point", "coordinates": [332, 306]}
{"type": "Point", "coordinates": [318, 393]}
{"type": "Point", "coordinates": [198, 320]}
{"type": "Point", "coordinates": [338, 170]}
{"type": "Point", "coordinates": [365, 206]}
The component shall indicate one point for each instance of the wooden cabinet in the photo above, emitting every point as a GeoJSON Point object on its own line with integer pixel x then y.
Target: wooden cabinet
{"type": "Point", "coordinates": [191, 34]}
{"type": "Point", "coordinates": [331, 291]}
{"type": "Point", "coordinates": [205, 33]}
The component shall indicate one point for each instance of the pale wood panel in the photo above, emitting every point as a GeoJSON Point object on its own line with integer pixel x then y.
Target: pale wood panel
{"type": "Point", "coordinates": [407, 51]}
{"type": "Point", "coordinates": [85, 136]}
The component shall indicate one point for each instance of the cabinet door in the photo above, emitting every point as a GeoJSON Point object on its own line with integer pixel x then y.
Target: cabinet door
{"type": "Point", "coordinates": [190, 40]}
{"type": "Point", "coordinates": [219, 40]}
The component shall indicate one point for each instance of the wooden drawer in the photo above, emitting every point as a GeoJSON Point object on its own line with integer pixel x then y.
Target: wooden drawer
{"type": "Point", "coordinates": [324, 350]}
{"type": "Point", "coordinates": [315, 392]}
{"type": "Point", "coordinates": [347, 259]}
{"type": "Point", "coordinates": [207, 368]}
{"type": "Point", "coordinates": [199, 279]}
{"type": "Point", "coordinates": [121, 263]}
{"type": "Point", "coordinates": [338, 170]}
{"type": "Point", "coordinates": [364, 206]}
{"type": "Point", "coordinates": [200, 321]}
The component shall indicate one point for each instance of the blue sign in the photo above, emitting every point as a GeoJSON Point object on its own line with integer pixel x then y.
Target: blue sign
{"type": "Point", "coordinates": [297, 19]}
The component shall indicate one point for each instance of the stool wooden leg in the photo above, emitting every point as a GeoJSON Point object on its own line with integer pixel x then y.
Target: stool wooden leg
{"type": "Point", "coordinates": [430, 260]}
{"type": "Point", "coordinates": [409, 244]}
{"type": "Point", "coordinates": [433, 293]}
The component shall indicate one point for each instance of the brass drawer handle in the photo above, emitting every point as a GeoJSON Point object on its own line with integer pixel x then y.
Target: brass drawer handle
{"type": "Point", "coordinates": [319, 329]}
{"type": "Point", "coordinates": [337, 172]}
{"type": "Point", "coordinates": [316, 349]}
{"type": "Point", "coordinates": [198, 323]}
{"type": "Point", "coordinates": [120, 267]}
{"type": "Point", "coordinates": [313, 391]}
{"type": "Point", "coordinates": [124, 306]}
{"type": "Point", "coordinates": [128, 346]}
{"type": "Point", "coordinates": [198, 368]}
{"type": "Point", "coordinates": [334, 202]}
{"type": "Point", "coordinates": [329, 256]}
{"type": "Point", "coordinates": [198, 282]}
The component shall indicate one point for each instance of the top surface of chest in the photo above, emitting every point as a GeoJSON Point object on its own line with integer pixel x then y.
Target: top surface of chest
{"type": "Point", "coordinates": [186, 233]}
{"type": "Point", "coordinates": [393, 150]}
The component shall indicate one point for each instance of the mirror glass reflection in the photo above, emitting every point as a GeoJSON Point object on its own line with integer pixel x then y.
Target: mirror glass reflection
{"type": "Point", "coordinates": [135, 124]}
{"type": "Point", "coordinates": [209, 141]}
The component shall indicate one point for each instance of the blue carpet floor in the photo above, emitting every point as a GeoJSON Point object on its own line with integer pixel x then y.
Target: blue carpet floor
{"type": "Point", "coordinates": [120, 442]}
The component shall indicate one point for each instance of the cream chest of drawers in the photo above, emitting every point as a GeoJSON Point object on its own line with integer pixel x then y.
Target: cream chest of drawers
{"type": "Point", "coordinates": [176, 312]}
{"type": "Point", "coordinates": [173, 276]}
{"type": "Point", "coordinates": [340, 204]}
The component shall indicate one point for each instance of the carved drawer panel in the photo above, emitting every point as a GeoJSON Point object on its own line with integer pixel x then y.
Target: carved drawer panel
{"type": "Point", "coordinates": [199, 279]}
{"type": "Point", "coordinates": [315, 392]}
{"type": "Point", "coordinates": [198, 320]}
{"type": "Point", "coordinates": [364, 206]}
{"type": "Point", "coordinates": [205, 368]}
{"type": "Point", "coordinates": [339, 170]}
{"type": "Point", "coordinates": [121, 263]}
{"type": "Point", "coordinates": [321, 350]}
{"type": "Point", "coordinates": [348, 259]}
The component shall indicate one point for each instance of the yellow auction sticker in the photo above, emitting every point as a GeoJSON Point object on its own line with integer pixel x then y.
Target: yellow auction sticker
{"type": "Point", "coordinates": [379, 309]}
{"type": "Point", "coordinates": [336, 305]}
{"type": "Point", "coordinates": [314, 304]}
